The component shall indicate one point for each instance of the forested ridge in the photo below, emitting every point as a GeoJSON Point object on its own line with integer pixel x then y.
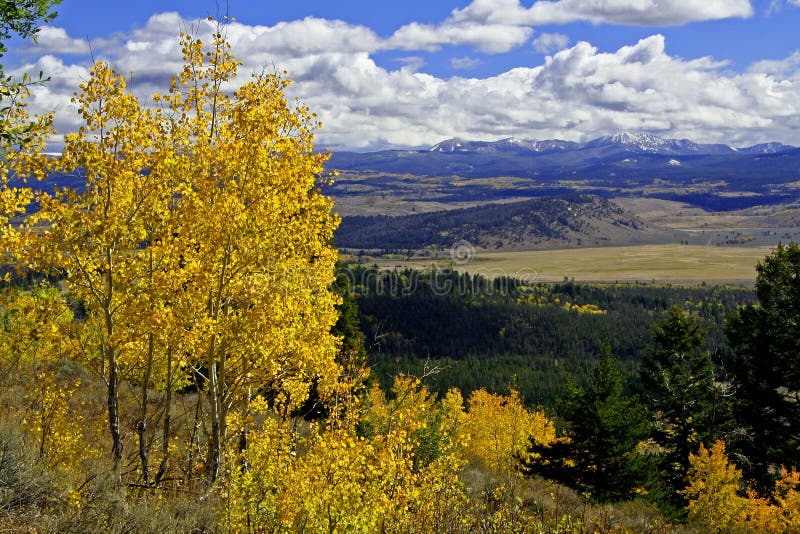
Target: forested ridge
{"type": "Point", "coordinates": [488, 333]}
{"type": "Point", "coordinates": [180, 352]}
{"type": "Point", "coordinates": [569, 219]}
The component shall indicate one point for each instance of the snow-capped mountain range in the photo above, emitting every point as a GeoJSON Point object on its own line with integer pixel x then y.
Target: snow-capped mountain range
{"type": "Point", "coordinates": [613, 158]}
{"type": "Point", "coordinates": [510, 143]}
{"type": "Point", "coordinates": [633, 141]}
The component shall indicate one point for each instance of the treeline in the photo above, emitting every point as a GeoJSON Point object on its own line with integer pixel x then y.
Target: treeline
{"type": "Point", "coordinates": [717, 202]}
{"type": "Point", "coordinates": [495, 333]}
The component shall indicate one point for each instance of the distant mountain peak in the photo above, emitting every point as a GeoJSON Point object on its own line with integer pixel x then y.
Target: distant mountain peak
{"type": "Point", "coordinates": [628, 141]}
{"type": "Point", "coordinates": [514, 140]}
{"type": "Point", "coordinates": [628, 137]}
{"type": "Point", "coordinates": [767, 148]}
{"type": "Point", "coordinates": [448, 145]}
{"type": "Point", "coordinates": [513, 144]}
{"type": "Point", "coordinates": [650, 143]}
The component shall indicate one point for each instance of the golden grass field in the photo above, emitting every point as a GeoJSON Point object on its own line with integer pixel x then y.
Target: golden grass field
{"type": "Point", "coordinates": [675, 264]}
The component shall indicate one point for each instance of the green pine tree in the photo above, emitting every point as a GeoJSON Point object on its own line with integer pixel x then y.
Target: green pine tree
{"type": "Point", "coordinates": [766, 343]}
{"type": "Point", "coordinates": [688, 407]}
{"type": "Point", "coordinates": [603, 427]}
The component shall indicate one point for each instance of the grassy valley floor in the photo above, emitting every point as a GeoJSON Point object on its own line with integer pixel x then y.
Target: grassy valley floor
{"type": "Point", "coordinates": [674, 264]}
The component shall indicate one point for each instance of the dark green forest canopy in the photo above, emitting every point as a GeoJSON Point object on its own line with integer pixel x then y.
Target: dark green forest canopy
{"type": "Point", "coordinates": [502, 332]}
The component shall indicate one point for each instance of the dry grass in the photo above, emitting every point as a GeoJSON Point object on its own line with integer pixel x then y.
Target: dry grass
{"type": "Point", "coordinates": [676, 264]}
{"type": "Point", "coordinates": [678, 215]}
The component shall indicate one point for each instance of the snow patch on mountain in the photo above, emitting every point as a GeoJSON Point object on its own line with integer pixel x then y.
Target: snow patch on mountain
{"type": "Point", "coordinates": [631, 141]}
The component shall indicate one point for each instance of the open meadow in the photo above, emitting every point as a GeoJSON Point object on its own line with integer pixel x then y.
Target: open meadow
{"type": "Point", "coordinates": [674, 264]}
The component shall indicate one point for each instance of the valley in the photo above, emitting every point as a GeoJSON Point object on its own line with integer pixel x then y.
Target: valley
{"type": "Point", "coordinates": [627, 207]}
{"type": "Point", "coordinates": [651, 264]}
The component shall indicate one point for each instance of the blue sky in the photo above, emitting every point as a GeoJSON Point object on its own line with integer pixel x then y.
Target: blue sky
{"type": "Point", "coordinates": [398, 74]}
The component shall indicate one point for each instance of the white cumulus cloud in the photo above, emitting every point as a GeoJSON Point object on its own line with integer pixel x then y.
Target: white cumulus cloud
{"type": "Point", "coordinates": [464, 63]}
{"type": "Point", "coordinates": [547, 43]}
{"type": "Point", "coordinates": [492, 38]}
{"type": "Point", "coordinates": [575, 93]}
{"type": "Point", "coordinates": [638, 12]}
{"type": "Point", "coordinates": [55, 40]}
{"type": "Point", "coordinates": [496, 26]}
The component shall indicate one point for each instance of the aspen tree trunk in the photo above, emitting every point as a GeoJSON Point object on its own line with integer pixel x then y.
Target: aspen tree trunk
{"type": "Point", "coordinates": [141, 426]}
{"type": "Point", "coordinates": [165, 439]}
{"type": "Point", "coordinates": [113, 407]}
{"type": "Point", "coordinates": [216, 378]}
{"type": "Point", "coordinates": [215, 442]}
{"type": "Point", "coordinates": [113, 368]}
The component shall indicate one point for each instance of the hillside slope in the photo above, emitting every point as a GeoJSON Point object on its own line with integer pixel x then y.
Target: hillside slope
{"type": "Point", "coordinates": [560, 222]}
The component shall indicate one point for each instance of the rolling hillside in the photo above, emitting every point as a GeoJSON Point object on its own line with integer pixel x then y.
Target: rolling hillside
{"type": "Point", "coordinates": [556, 222]}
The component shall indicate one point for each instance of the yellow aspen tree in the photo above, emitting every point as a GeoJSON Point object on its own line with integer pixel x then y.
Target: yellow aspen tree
{"type": "Point", "coordinates": [104, 238]}
{"type": "Point", "coordinates": [761, 514]}
{"type": "Point", "coordinates": [56, 430]}
{"type": "Point", "coordinates": [199, 240]}
{"type": "Point", "coordinates": [413, 424]}
{"type": "Point", "coordinates": [22, 140]}
{"type": "Point", "coordinates": [259, 475]}
{"type": "Point", "coordinates": [405, 474]}
{"type": "Point", "coordinates": [713, 489]}
{"type": "Point", "coordinates": [378, 475]}
{"type": "Point", "coordinates": [153, 352]}
{"type": "Point", "coordinates": [499, 426]}
{"type": "Point", "coordinates": [778, 513]}
{"type": "Point", "coordinates": [334, 486]}
{"type": "Point", "coordinates": [33, 350]}
{"type": "Point", "coordinates": [255, 235]}
{"type": "Point", "coordinates": [787, 496]}
{"type": "Point", "coordinates": [32, 326]}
